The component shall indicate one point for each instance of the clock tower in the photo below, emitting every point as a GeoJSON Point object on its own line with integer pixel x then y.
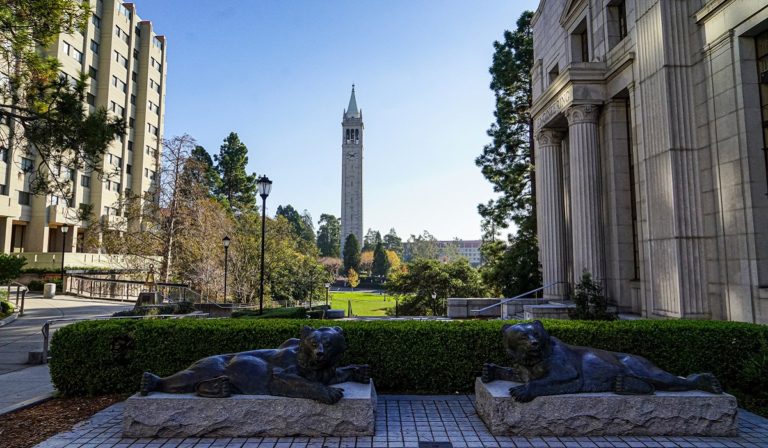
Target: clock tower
{"type": "Point", "coordinates": [352, 172]}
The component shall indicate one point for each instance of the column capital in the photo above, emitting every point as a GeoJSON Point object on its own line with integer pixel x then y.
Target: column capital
{"type": "Point", "coordinates": [582, 113]}
{"type": "Point", "coordinates": [549, 137]}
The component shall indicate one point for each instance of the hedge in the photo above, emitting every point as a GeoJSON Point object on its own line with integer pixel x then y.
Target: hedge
{"type": "Point", "coordinates": [429, 357]}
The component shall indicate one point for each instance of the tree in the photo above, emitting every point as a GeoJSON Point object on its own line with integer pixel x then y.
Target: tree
{"type": "Point", "coordinates": [237, 186]}
{"type": "Point", "coordinates": [366, 261]}
{"type": "Point", "coordinates": [44, 110]}
{"type": "Point", "coordinates": [508, 161]}
{"type": "Point", "coordinates": [328, 236]}
{"type": "Point", "coordinates": [353, 278]}
{"type": "Point", "coordinates": [425, 277]}
{"type": "Point", "coordinates": [370, 239]}
{"type": "Point", "coordinates": [423, 246]}
{"type": "Point", "coordinates": [511, 268]}
{"type": "Point", "coordinates": [10, 268]}
{"type": "Point", "coordinates": [302, 225]}
{"type": "Point", "coordinates": [332, 265]}
{"type": "Point", "coordinates": [351, 252]}
{"type": "Point", "coordinates": [380, 261]}
{"type": "Point", "coordinates": [393, 242]}
{"type": "Point", "coordinates": [200, 167]}
{"type": "Point", "coordinates": [394, 261]}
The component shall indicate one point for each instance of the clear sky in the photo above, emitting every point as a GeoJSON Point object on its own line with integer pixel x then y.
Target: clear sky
{"type": "Point", "coordinates": [279, 73]}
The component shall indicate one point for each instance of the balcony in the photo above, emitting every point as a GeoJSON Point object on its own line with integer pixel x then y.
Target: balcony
{"type": "Point", "coordinates": [9, 206]}
{"type": "Point", "coordinates": [61, 214]}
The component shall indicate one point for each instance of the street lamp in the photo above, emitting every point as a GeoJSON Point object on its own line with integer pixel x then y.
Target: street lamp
{"type": "Point", "coordinates": [64, 230]}
{"type": "Point", "coordinates": [265, 186]}
{"type": "Point", "coordinates": [327, 290]}
{"type": "Point", "coordinates": [226, 242]}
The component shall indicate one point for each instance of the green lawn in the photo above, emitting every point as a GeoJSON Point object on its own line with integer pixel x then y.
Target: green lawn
{"type": "Point", "coordinates": [363, 303]}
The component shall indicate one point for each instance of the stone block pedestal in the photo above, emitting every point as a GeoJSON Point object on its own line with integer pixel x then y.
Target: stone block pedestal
{"type": "Point", "coordinates": [187, 415]}
{"type": "Point", "coordinates": [690, 413]}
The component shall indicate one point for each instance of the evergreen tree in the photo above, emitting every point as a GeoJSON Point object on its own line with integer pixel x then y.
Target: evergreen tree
{"type": "Point", "coordinates": [393, 242]}
{"type": "Point", "coordinates": [201, 168]}
{"type": "Point", "coordinates": [351, 252]}
{"type": "Point", "coordinates": [371, 238]}
{"type": "Point", "coordinates": [508, 163]}
{"type": "Point", "coordinates": [380, 261]}
{"type": "Point", "coordinates": [302, 225]}
{"type": "Point", "coordinates": [328, 236]}
{"type": "Point", "coordinates": [237, 186]}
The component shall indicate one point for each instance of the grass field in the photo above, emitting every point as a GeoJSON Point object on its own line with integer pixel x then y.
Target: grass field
{"type": "Point", "coordinates": [363, 303]}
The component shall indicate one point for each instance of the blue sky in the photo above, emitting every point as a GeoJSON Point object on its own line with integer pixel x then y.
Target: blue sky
{"type": "Point", "coordinates": [279, 73]}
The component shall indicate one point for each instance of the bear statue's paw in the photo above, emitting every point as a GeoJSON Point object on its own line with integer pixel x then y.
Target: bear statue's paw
{"type": "Point", "coordinates": [149, 383]}
{"type": "Point", "coordinates": [489, 373]}
{"type": "Point", "coordinates": [214, 388]}
{"type": "Point", "coordinates": [362, 374]}
{"type": "Point", "coordinates": [331, 395]}
{"type": "Point", "coordinates": [522, 393]}
{"type": "Point", "coordinates": [706, 382]}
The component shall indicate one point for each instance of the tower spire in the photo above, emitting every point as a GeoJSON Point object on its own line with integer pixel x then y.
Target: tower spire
{"type": "Point", "coordinates": [352, 111]}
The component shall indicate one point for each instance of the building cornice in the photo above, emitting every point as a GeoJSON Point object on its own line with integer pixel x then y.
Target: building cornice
{"type": "Point", "coordinates": [537, 13]}
{"type": "Point", "coordinates": [579, 83]}
{"type": "Point", "coordinates": [709, 9]}
{"type": "Point", "coordinates": [572, 9]}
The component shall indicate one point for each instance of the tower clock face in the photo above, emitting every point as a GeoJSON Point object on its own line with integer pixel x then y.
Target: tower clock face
{"type": "Point", "coordinates": [351, 155]}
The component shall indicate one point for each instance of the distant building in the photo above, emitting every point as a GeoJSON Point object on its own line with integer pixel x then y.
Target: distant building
{"type": "Point", "coordinates": [447, 250]}
{"type": "Point", "coordinates": [125, 60]}
{"type": "Point", "coordinates": [352, 172]}
{"type": "Point", "coordinates": [651, 123]}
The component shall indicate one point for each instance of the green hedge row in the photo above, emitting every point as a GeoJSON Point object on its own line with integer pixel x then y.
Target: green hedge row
{"type": "Point", "coordinates": [430, 357]}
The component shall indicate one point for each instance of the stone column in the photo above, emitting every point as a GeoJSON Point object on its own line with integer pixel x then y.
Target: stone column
{"type": "Point", "coordinates": [586, 194]}
{"type": "Point", "coordinates": [550, 211]}
{"type": "Point", "coordinates": [6, 230]}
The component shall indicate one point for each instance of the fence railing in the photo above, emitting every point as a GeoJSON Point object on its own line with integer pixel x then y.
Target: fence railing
{"type": "Point", "coordinates": [520, 296]}
{"type": "Point", "coordinates": [21, 294]}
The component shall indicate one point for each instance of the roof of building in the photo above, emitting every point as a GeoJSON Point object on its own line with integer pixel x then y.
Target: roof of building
{"type": "Point", "coordinates": [352, 111]}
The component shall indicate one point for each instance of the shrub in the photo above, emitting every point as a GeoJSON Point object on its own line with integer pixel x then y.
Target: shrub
{"type": "Point", "coordinates": [10, 267]}
{"type": "Point", "coordinates": [35, 285]}
{"type": "Point", "coordinates": [591, 303]}
{"type": "Point", "coordinates": [6, 307]}
{"type": "Point", "coordinates": [431, 357]}
{"type": "Point", "coordinates": [273, 313]}
{"type": "Point", "coordinates": [171, 308]}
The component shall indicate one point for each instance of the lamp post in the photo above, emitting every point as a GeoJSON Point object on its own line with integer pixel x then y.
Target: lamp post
{"type": "Point", "coordinates": [226, 242]}
{"type": "Point", "coordinates": [265, 186]}
{"type": "Point", "coordinates": [64, 230]}
{"type": "Point", "coordinates": [327, 290]}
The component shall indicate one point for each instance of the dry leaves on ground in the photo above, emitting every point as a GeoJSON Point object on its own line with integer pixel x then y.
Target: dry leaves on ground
{"type": "Point", "coordinates": [28, 427]}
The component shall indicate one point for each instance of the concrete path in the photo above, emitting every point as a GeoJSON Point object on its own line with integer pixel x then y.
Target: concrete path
{"type": "Point", "coordinates": [20, 383]}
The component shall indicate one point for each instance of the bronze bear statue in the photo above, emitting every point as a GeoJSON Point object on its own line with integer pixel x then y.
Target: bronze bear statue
{"type": "Point", "coordinates": [548, 366]}
{"type": "Point", "coordinates": [299, 368]}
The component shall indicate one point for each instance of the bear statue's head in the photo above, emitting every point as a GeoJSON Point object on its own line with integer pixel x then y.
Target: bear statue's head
{"type": "Point", "coordinates": [321, 348]}
{"type": "Point", "coordinates": [527, 343]}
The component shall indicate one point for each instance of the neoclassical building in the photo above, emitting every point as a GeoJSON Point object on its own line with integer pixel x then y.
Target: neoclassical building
{"type": "Point", "coordinates": [651, 125]}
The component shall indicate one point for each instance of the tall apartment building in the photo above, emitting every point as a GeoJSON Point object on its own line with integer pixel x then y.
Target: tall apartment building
{"type": "Point", "coordinates": [125, 62]}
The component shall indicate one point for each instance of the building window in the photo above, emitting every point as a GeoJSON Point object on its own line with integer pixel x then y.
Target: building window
{"type": "Point", "coordinates": [66, 48]}
{"type": "Point", "coordinates": [134, 76]}
{"type": "Point", "coordinates": [96, 20]}
{"type": "Point", "coordinates": [124, 11]}
{"type": "Point", "coordinates": [131, 122]}
{"type": "Point", "coordinates": [117, 82]}
{"type": "Point", "coordinates": [554, 73]}
{"type": "Point", "coordinates": [580, 43]}
{"type": "Point", "coordinates": [91, 99]}
{"type": "Point", "coordinates": [93, 72]}
{"type": "Point", "coordinates": [85, 181]}
{"type": "Point", "coordinates": [27, 165]}
{"type": "Point", "coordinates": [4, 155]}
{"type": "Point", "coordinates": [94, 46]}
{"type": "Point", "coordinates": [121, 59]}
{"type": "Point", "coordinates": [24, 198]}
{"type": "Point", "coordinates": [761, 45]}
{"type": "Point", "coordinates": [154, 85]}
{"type": "Point", "coordinates": [616, 17]}
{"type": "Point", "coordinates": [77, 55]}
{"type": "Point", "coordinates": [130, 145]}
{"type": "Point", "coordinates": [154, 107]}
{"type": "Point", "coordinates": [128, 169]}
{"type": "Point", "coordinates": [133, 99]}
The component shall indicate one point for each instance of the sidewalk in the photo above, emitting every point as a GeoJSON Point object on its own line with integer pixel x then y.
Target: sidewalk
{"type": "Point", "coordinates": [406, 421]}
{"type": "Point", "coordinates": [22, 384]}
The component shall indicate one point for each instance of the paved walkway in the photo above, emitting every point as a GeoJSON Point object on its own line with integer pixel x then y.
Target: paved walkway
{"type": "Point", "coordinates": [22, 383]}
{"type": "Point", "coordinates": [402, 422]}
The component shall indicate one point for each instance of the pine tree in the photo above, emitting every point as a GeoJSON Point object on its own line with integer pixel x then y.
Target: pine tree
{"type": "Point", "coordinates": [351, 252]}
{"type": "Point", "coordinates": [237, 186]}
{"type": "Point", "coordinates": [380, 261]}
{"type": "Point", "coordinates": [328, 236]}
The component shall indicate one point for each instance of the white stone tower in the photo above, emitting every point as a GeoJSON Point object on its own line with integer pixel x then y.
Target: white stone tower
{"type": "Point", "coordinates": [352, 172]}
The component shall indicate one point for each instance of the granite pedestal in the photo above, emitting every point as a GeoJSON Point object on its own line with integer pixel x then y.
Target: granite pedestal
{"type": "Point", "coordinates": [689, 413]}
{"type": "Point", "coordinates": [187, 415]}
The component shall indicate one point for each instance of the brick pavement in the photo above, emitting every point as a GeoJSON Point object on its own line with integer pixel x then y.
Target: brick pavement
{"type": "Point", "coordinates": [402, 422]}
